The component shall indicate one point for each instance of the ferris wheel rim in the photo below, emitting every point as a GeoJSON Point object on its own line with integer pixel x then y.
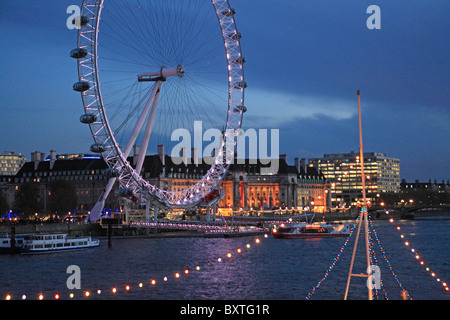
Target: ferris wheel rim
{"type": "Point", "coordinates": [103, 135]}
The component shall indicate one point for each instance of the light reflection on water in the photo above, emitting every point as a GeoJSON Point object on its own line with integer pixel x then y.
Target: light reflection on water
{"type": "Point", "coordinates": [274, 269]}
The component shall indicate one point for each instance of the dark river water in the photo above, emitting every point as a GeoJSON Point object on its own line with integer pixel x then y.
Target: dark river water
{"type": "Point", "coordinates": [273, 269]}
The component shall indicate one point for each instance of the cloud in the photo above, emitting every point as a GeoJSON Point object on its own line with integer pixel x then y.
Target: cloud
{"type": "Point", "coordinates": [273, 109]}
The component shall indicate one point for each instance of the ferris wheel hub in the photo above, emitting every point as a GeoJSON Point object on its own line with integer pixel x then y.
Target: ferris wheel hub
{"type": "Point", "coordinates": [161, 75]}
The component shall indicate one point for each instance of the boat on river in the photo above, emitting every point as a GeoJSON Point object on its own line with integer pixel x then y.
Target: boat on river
{"type": "Point", "coordinates": [5, 243]}
{"type": "Point", "coordinates": [49, 243]}
{"type": "Point", "coordinates": [310, 230]}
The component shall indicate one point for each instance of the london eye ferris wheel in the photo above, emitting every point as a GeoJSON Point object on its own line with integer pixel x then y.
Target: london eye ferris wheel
{"type": "Point", "coordinates": [148, 67]}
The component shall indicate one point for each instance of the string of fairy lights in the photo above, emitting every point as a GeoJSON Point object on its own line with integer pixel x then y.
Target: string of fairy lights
{"type": "Point", "coordinates": [374, 242]}
{"type": "Point", "coordinates": [333, 264]}
{"type": "Point", "coordinates": [117, 290]}
{"type": "Point", "coordinates": [417, 256]}
{"type": "Point", "coordinates": [374, 261]}
{"type": "Point", "coordinates": [373, 234]}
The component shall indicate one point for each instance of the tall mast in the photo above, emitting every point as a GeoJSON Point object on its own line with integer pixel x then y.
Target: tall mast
{"type": "Point", "coordinates": [363, 214]}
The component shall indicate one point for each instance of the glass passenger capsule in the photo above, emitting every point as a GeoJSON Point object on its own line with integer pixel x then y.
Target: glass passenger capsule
{"type": "Point", "coordinates": [81, 86]}
{"type": "Point", "coordinates": [240, 85]}
{"type": "Point", "coordinates": [98, 148]}
{"type": "Point", "coordinates": [235, 36]}
{"type": "Point", "coordinates": [228, 12]}
{"type": "Point", "coordinates": [240, 60]}
{"type": "Point", "coordinates": [242, 109]}
{"type": "Point", "coordinates": [78, 53]}
{"type": "Point", "coordinates": [111, 172]}
{"type": "Point", "coordinates": [88, 118]}
{"type": "Point", "coordinates": [80, 21]}
{"type": "Point", "coordinates": [126, 192]}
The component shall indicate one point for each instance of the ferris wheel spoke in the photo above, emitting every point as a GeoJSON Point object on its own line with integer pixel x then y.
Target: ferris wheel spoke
{"type": "Point", "coordinates": [159, 43]}
{"type": "Point", "coordinates": [120, 39]}
{"type": "Point", "coordinates": [198, 98]}
{"type": "Point", "coordinates": [155, 49]}
{"type": "Point", "coordinates": [125, 61]}
{"type": "Point", "coordinates": [133, 109]}
{"type": "Point", "coordinates": [119, 103]}
{"type": "Point", "coordinates": [142, 35]}
{"type": "Point", "coordinates": [128, 36]}
{"type": "Point", "coordinates": [201, 86]}
{"type": "Point", "coordinates": [141, 121]}
{"type": "Point", "coordinates": [195, 46]}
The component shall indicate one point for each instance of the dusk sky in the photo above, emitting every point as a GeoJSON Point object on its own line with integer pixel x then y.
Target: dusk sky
{"type": "Point", "coordinates": [305, 62]}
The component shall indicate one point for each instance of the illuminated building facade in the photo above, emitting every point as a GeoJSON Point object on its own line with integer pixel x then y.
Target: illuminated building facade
{"type": "Point", "coordinates": [10, 163]}
{"type": "Point", "coordinates": [246, 185]}
{"type": "Point", "coordinates": [84, 172]}
{"type": "Point", "coordinates": [296, 187]}
{"type": "Point", "coordinates": [344, 173]}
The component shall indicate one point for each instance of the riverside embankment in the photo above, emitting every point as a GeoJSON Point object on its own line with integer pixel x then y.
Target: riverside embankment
{"type": "Point", "coordinates": [95, 229]}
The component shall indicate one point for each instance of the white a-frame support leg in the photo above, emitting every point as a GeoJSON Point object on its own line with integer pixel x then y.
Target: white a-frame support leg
{"type": "Point", "coordinates": [98, 207]}
{"type": "Point", "coordinates": [141, 120]}
{"type": "Point", "coordinates": [148, 130]}
{"type": "Point", "coordinates": [100, 204]}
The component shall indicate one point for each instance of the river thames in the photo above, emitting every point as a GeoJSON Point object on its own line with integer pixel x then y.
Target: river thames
{"type": "Point", "coordinates": [273, 269]}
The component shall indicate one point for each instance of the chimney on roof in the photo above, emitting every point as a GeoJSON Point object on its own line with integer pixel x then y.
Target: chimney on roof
{"type": "Point", "coordinates": [297, 164]}
{"type": "Point", "coordinates": [303, 164]}
{"type": "Point", "coordinates": [36, 158]}
{"type": "Point", "coordinates": [135, 154]}
{"type": "Point", "coordinates": [34, 155]}
{"type": "Point", "coordinates": [52, 158]}
{"type": "Point", "coordinates": [284, 157]}
{"type": "Point", "coordinates": [183, 156]}
{"type": "Point", "coordinates": [194, 156]}
{"type": "Point", "coordinates": [161, 154]}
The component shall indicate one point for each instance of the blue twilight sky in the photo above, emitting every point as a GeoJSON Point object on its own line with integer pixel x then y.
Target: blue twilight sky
{"type": "Point", "coordinates": [305, 61]}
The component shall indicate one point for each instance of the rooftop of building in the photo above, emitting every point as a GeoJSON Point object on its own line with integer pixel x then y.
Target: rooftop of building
{"type": "Point", "coordinates": [153, 166]}
{"type": "Point", "coordinates": [12, 154]}
{"type": "Point", "coordinates": [352, 155]}
{"type": "Point", "coordinates": [419, 184]}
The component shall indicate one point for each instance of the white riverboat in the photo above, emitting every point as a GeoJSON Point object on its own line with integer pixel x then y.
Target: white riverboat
{"type": "Point", "coordinates": [310, 230]}
{"type": "Point", "coordinates": [49, 243]}
{"type": "Point", "coordinates": [5, 243]}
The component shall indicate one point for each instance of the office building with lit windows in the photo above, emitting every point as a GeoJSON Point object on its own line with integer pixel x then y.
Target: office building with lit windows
{"type": "Point", "coordinates": [344, 173]}
{"type": "Point", "coordinates": [10, 163]}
